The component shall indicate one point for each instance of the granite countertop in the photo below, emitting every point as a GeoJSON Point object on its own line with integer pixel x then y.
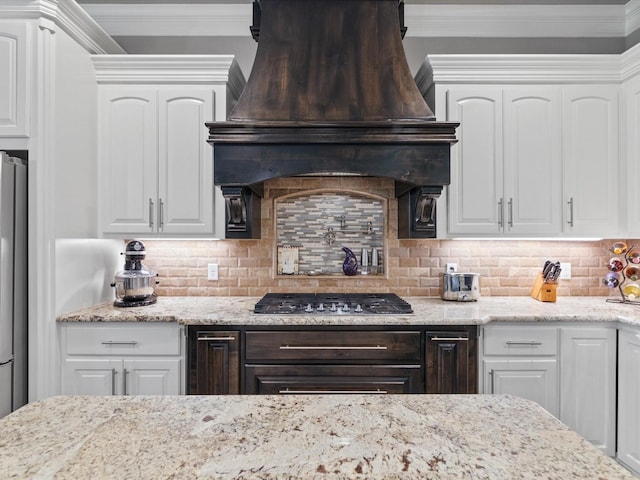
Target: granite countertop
{"type": "Point", "coordinates": [302, 436]}
{"type": "Point", "coordinates": [428, 311]}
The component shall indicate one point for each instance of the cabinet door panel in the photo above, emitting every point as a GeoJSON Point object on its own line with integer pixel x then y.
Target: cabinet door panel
{"type": "Point", "coordinates": [588, 384]}
{"type": "Point", "coordinates": [535, 380]}
{"type": "Point", "coordinates": [532, 166]}
{"type": "Point", "coordinates": [152, 377]}
{"type": "Point", "coordinates": [186, 161]}
{"type": "Point", "coordinates": [476, 160]}
{"type": "Point", "coordinates": [214, 363]}
{"type": "Point", "coordinates": [292, 379]}
{"type": "Point", "coordinates": [632, 170]}
{"type": "Point", "coordinates": [128, 156]}
{"type": "Point", "coordinates": [629, 399]}
{"type": "Point", "coordinates": [13, 79]}
{"type": "Point", "coordinates": [590, 137]}
{"type": "Point", "coordinates": [450, 363]}
{"type": "Point", "coordinates": [92, 377]}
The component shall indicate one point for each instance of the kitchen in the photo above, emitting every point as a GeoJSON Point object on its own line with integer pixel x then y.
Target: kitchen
{"type": "Point", "coordinates": [73, 269]}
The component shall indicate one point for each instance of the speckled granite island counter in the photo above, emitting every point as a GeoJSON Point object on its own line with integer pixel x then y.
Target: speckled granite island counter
{"type": "Point", "coordinates": [428, 311]}
{"type": "Point", "coordinates": [332, 436]}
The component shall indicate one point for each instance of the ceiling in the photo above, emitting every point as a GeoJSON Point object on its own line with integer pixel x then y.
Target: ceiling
{"type": "Point", "coordinates": [434, 26]}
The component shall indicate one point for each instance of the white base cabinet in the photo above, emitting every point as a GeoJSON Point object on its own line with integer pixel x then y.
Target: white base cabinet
{"type": "Point", "coordinates": [588, 384]}
{"type": "Point", "coordinates": [123, 359]}
{"type": "Point", "coordinates": [629, 398]}
{"type": "Point", "coordinates": [568, 370]}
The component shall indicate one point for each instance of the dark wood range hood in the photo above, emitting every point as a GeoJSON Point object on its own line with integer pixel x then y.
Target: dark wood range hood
{"type": "Point", "coordinates": [330, 92]}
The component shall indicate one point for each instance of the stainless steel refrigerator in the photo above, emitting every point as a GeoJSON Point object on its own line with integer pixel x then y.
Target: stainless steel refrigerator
{"type": "Point", "coordinates": [13, 283]}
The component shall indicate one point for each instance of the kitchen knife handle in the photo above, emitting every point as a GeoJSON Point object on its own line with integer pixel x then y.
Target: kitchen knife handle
{"type": "Point", "coordinates": [510, 221]}
{"type": "Point", "coordinates": [150, 213]}
{"type": "Point", "coordinates": [570, 202]}
{"type": "Point", "coordinates": [161, 215]}
{"type": "Point", "coordinates": [500, 214]}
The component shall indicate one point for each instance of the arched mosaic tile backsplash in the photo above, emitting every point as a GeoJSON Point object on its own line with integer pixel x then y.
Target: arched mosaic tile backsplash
{"type": "Point", "coordinates": [320, 223]}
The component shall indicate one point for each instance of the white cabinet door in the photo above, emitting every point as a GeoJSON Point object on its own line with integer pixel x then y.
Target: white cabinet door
{"type": "Point", "coordinates": [14, 118]}
{"type": "Point", "coordinates": [588, 384]}
{"type": "Point", "coordinates": [129, 159]}
{"type": "Point", "coordinates": [475, 196]}
{"type": "Point", "coordinates": [629, 399]}
{"type": "Point", "coordinates": [533, 379]}
{"type": "Point", "coordinates": [631, 201]}
{"type": "Point", "coordinates": [590, 158]}
{"type": "Point", "coordinates": [92, 377]}
{"type": "Point", "coordinates": [185, 195]}
{"type": "Point", "coordinates": [532, 161]}
{"type": "Point", "coordinates": [152, 376]}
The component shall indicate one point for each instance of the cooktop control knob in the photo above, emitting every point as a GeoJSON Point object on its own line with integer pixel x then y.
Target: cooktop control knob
{"type": "Point", "coordinates": [345, 308]}
{"type": "Point", "coordinates": [333, 307]}
{"type": "Point", "coordinates": [320, 307]}
{"type": "Point", "coordinates": [308, 308]}
{"type": "Point", "coordinates": [358, 308]}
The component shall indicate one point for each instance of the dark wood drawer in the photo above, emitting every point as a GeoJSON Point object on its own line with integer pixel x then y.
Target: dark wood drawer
{"type": "Point", "coordinates": [296, 379]}
{"type": "Point", "coordinates": [333, 345]}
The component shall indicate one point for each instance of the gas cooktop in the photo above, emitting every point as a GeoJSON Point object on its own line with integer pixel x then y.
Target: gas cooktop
{"type": "Point", "coordinates": [332, 304]}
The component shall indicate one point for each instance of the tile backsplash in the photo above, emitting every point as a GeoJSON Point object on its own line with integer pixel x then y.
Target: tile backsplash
{"type": "Point", "coordinates": [413, 267]}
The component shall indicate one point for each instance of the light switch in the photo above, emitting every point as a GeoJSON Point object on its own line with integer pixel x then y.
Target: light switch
{"type": "Point", "coordinates": [212, 271]}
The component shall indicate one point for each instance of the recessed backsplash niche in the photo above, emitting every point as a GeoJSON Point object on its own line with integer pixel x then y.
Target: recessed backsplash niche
{"type": "Point", "coordinates": [312, 227]}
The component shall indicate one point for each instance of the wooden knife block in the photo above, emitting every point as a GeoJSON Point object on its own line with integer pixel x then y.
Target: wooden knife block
{"type": "Point", "coordinates": [544, 292]}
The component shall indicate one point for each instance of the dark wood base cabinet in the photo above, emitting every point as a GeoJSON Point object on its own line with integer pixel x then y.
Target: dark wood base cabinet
{"type": "Point", "coordinates": [364, 359]}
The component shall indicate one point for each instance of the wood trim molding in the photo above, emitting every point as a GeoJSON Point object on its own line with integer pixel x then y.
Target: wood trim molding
{"type": "Point", "coordinates": [168, 69]}
{"type": "Point", "coordinates": [67, 15]}
{"type": "Point", "coordinates": [630, 63]}
{"type": "Point", "coordinates": [556, 69]}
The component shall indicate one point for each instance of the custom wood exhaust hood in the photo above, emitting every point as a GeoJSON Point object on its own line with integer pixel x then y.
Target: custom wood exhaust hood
{"type": "Point", "coordinates": [330, 92]}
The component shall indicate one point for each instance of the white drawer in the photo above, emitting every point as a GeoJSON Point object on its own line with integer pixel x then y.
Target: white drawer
{"type": "Point", "coordinates": [520, 340]}
{"type": "Point", "coordinates": [123, 339]}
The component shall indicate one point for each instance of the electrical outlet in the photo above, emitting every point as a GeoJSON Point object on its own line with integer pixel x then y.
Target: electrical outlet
{"type": "Point", "coordinates": [452, 267]}
{"type": "Point", "coordinates": [565, 273]}
{"type": "Point", "coordinates": [212, 271]}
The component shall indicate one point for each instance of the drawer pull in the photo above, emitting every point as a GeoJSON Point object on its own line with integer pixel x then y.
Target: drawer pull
{"type": "Point", "coordinates": [305, 392]}
{"type": "Point", "coordinates": [113, 381]}
{"type": "Point", "coordinates": [450, 339]}
{"type": "Point", "coordinates": [509, 342]}
{"type": "Point", "coordinates": [213, 339]}
{"type": "Point", "coordinates": [330, 347]}
{"type": "Point", "coordinates": [115, 342]}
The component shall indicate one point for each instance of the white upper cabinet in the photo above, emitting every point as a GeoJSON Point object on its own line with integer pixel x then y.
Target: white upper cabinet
{"type": "Point", "coordinates": [506, 168]}
{"type": "Point", "coordinates": [14, 118]}
{"type": "Point", "coordinates": [537, 152]}
{"type": "Point", "coordinates": [590, 157]}
{"type": "Point", "coordinates": [631, 175]}
{"type": "Point", "coordinates": [156, 165]}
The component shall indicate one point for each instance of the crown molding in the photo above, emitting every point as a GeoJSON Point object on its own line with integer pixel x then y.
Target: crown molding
{"type": "Point", "coordinates": [550, 69]}
{"type": "Point", "coordinates": [522, 21]}
{"type": "Point", "coordinates": [422, 20]}
{"type": "Point", "coordinates": [168, 69]}
{"type": "Point", "coordinates": [632, 16]}
{"type": "Point", "coordinates": [630, 63]}
{"type": "Point", "coordinates": [176, 19]}
{"type": "Point", "coordinates": [68, 16]}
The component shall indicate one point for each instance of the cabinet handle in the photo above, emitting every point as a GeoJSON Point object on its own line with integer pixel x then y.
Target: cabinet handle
{"type": "Point", "coordinates": [509, 342]}
{"type": "Point", "coordinates": [113, 381]}
{"type": "Point", "coordinates": [500, 214]}
{"type": "Point", "coordinates": [304, 392]}
{"type": "Point", "coordinates": [151, 213]}
{"type": "Point", "coordinates": [570, 202]}
{"type": "Point", "coordinates": [510, 221]}
{"type": "Point", "coordinates": [161, 215]}
{"type": "Point", "coordinates": [116, 342]}
{"type": "Point", "coordinates": [331, 347]}
{"type": "Point", "coordinates": [492, 381]}
{"type": "Point", "coordinates": [450, 339]}
{"type": "Point", "coordinates": [219, 339]}
{"type": "Point", "coordinates": [124, 381]}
